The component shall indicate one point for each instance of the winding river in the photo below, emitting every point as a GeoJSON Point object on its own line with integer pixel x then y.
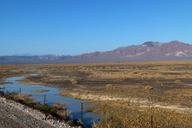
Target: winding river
{"type": "Point", "coordinates": [52, 96]}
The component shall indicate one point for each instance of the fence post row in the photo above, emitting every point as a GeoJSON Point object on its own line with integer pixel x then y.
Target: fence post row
{"type": "Point", "coordinates": [44, 101]}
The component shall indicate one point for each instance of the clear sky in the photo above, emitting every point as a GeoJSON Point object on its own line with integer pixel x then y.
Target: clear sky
{"type": "Point", "coordinates": [79, 26]}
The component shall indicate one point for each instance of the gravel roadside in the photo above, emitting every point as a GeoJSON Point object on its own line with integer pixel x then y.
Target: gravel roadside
{"type": "Point", "coordinates": [16, 115]}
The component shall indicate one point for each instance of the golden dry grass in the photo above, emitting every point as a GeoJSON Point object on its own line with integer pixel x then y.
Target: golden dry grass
{"type": "Point", "coordinates": [167, 82]}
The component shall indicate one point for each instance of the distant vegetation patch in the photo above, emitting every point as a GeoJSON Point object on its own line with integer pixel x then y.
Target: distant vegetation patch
{"type": "Point", "coordinates": [40, 90]}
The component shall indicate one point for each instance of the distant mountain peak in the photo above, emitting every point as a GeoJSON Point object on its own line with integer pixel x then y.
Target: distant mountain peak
{"type": "Point", "coordinates": [150, 43]}
{"type": "Point", "coordinates": [177, 42]}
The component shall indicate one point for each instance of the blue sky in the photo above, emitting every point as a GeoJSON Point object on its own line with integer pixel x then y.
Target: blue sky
{"type": "Point", "coordinates": [80, 26]}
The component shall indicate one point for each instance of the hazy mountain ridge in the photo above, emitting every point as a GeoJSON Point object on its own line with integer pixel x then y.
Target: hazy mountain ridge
{"type": "Point", "coordinates": [34, 59]}
{"type": "Point", "coordinates": [147, 51]}
{"type": "Point", "coordinates": [174, 50]}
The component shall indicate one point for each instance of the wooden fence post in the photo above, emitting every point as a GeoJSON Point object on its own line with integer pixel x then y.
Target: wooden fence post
{"type": "Point", "coordinates": [44, 99]}
{"type": "Point", "coordinates": [20, 90]}
{"type": "Point", "coordinates": [82, 112]}
{"type": "Point", "coordinates": [152, 121]}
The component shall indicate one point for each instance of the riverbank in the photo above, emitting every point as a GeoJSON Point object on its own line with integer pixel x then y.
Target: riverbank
{"type": "Point", "coordinates": [139, 102]}
{"type": "Point", "coordinates": [16, 115]}
{"type": "Point", "coordinates": [132, 112]}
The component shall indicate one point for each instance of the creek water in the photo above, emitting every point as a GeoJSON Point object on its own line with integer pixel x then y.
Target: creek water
{"type": "Point", "coordinates": [78, 109]}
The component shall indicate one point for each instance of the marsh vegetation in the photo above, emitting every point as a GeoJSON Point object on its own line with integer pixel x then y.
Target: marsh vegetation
{"type": "Point", "coordinates": [128, 95]}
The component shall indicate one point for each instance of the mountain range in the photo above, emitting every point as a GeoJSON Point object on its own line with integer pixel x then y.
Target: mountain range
{"type": "Point", "coordinates": [147, 51]}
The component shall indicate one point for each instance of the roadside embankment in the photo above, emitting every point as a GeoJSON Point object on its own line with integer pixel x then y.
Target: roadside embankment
{"type": "Point", "coordinates": [16, 115]}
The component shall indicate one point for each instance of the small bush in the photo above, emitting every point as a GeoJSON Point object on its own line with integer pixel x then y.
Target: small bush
{"type": "Point", "coordinates": [59, 106]}
{"type": "Point", "coordinates": [63, 114]}
{"type": "Point", "coordinates": [177, 81]}
{"type": "Point", "coordinates": [148, 87]}
{"type": "Point", "coordinates": [73, 81]}
{"type": "Point", "coordinates": [109, 87]}
{"type": "Point", "coordinates": [42, 107]}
